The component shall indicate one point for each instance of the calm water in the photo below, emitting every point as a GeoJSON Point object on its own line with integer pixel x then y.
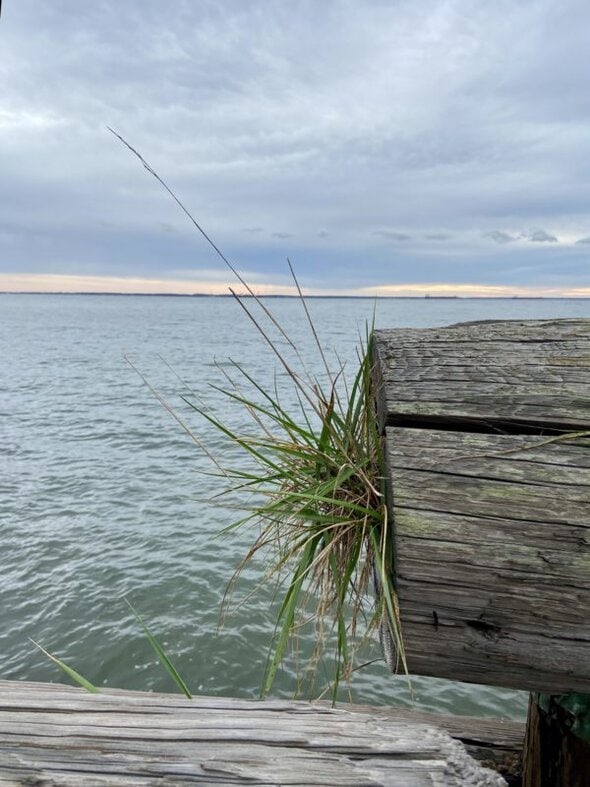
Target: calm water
{"type": "Point", "coordinates": [102, 494]}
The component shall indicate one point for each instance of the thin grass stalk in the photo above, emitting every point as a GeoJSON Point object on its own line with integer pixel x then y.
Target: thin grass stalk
{"type": "Point", "coordinates": [320, 487]}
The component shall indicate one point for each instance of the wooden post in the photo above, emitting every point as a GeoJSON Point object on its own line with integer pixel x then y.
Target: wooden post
{"type": "Point", "coordinates": [557, 742]}
{"type": "Point", "coordinates": [490, 508]}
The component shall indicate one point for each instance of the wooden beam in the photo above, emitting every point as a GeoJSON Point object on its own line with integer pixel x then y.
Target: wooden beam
{"type": "Point", "coordinates": [511, 375]}
{"type": "Point", "coordinates": [491, 530]}
{"type": "Point", "coordinates": [495, 743]}
{"type": "Point", "coordinates": [56, 735]}
{"type": "Point", "coordinates": [492, 545]}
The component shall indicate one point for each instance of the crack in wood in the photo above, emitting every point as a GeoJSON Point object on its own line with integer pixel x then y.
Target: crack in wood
{"type": "Point", "coordinates": [478, 426]}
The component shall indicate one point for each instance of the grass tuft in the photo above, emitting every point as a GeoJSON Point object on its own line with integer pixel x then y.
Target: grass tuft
{"type": "Point", "coordinates": [312, 480]}
{"type": "Point", "coordinates": [314, 496]}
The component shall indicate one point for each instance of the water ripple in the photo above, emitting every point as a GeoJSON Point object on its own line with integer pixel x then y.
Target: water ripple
{"type": "Point", "coordinates": [102, 494]}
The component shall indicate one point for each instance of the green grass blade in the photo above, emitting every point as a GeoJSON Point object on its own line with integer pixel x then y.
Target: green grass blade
{"type": "Point", "coordinates": [232, 436]}
{"type": "Point", "coordinates": [164, 660]}
{"type": "Point", "coordinates": [277, 412]}
{"type": "Point", "coordinates": [389, 602]}
{"type": "Point", "coordinates": [287, 614]}
{"type": "Point", "coordinates": [71, 673]}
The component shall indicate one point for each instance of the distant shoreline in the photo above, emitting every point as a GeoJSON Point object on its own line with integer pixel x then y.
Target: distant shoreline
{"type": "Point", "coordinates": [313, 297]}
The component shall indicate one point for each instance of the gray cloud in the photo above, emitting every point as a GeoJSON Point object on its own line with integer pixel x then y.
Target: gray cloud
{"type": "Point", "coordinates": [540, 236]}
{"type": "Point", "coordinates": [281, 235]}
{"type": "Point", "coordinates": [583, 241]}
{"type": "Point", "coordinates": [498, 236]}
{"type": "Point", "coordinates": [533, 236]}
{"type": "Point", "coordinates": [391, 235]}
{"type": "Point", "coordinates": [438, 236]}
{"type": "Point", "coordinates": [332, 115]}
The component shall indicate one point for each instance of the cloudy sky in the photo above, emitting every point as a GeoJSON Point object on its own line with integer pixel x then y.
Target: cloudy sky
{"type": "Point", "coordinates": [384, 146]}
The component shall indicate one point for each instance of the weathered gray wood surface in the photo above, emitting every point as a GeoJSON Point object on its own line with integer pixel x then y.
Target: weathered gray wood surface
{"type": "Point", "coordinates": [492, 531]}
{"type": "Point", "coordinates": [530, 372]}
{"type": "Point", "coordinates": [495, 743]}
{"type": "Point", "coordinates": [493, 557]}
{"type": "Point", "coordinates": [56, 735]}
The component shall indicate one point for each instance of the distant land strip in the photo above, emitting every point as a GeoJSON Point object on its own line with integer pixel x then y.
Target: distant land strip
{"type": "Point", "coordinates": [314, 297]}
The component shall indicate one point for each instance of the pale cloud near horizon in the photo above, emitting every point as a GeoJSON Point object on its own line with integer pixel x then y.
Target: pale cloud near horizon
{"type": "Point", "coordinates": [59, 284]}
{"type": "Point", "coordinates": [56, 283]}
{"type": "Point", "coordinates": [390, 144]}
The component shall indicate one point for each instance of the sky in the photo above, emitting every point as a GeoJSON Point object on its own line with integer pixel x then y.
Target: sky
{"type": "Point", "coordinates": [385, 147]}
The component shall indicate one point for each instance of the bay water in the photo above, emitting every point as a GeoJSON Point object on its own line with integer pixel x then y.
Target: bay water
{"type": "Point", "coordinates": [103, 494]}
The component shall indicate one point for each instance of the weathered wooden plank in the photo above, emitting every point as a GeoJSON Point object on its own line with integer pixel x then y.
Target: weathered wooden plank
{"type": "Point", "coordinates": [493, 556]}
{"type": "Point", "coordinates": [495, 743]}
{"type": "Point", "coordinates": [534, 372]}
{"type": "Point", "coordinates": [491, 532]}
{"type": "Point", "coordinates": [60, 736]}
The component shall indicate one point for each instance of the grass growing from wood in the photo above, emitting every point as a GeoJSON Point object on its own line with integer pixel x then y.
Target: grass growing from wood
{"type": "Point", "coordinates": [314, 488]}
{"type": "Point", "coordinates": [313, 491]}
{"type": "Point", "coordinates": [314, 497]}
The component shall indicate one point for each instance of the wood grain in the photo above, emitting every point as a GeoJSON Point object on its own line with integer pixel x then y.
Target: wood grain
{"type": "Point", "coordinates": [503, 374]}
{"type": "Point", "coordinates": [492, 533]}
{"type": "Point", "coordinates": [493, 556]}
{"type": "Point", "coordinates": [55, 735]}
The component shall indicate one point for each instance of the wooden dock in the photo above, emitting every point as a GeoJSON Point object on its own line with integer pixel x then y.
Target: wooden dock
{"type": "Point", "coordinates": [486, 430]}
{"type": "Point", "coordinates": [492, 533]}
{"type": "Point", "coordinates": [57, 736]}
{"type": "Point", "coordinates": [489, 505]}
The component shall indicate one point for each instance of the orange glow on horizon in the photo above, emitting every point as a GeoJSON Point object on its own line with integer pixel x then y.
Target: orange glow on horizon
{"type": "Point", "coordinates": [56, 283]}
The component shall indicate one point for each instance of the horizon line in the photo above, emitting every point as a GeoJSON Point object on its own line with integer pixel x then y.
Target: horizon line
{"type": "Point", "coordinates": [31, 283]}
{"type": "Point", "coordinates": [334, 296]}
